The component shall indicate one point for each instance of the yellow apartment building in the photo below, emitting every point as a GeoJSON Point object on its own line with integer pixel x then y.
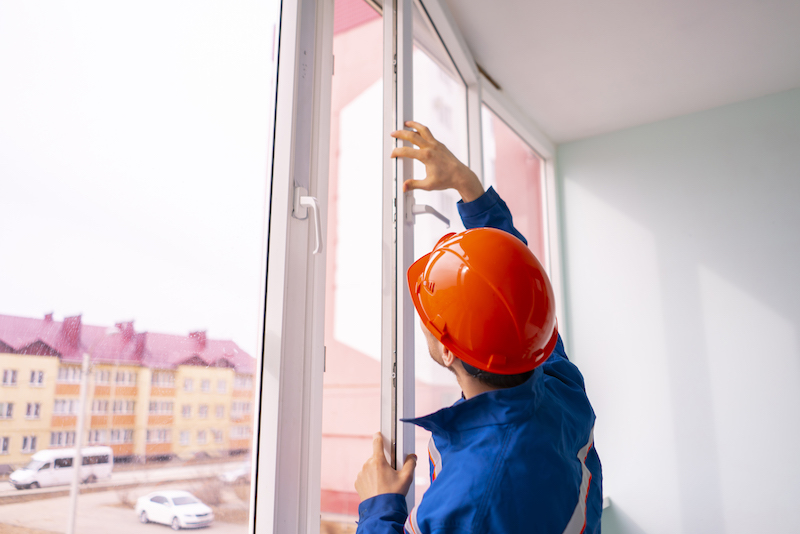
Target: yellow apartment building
{"type": "Point", "coordinates": [149, 396]}
{"type": "Point", "coordinates": [26, 405]}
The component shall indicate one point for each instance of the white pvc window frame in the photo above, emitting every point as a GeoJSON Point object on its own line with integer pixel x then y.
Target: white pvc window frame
{"type": "Point", "coordinates": [481, 91]}
{"type": "Point", "coordinates": [287, 483]}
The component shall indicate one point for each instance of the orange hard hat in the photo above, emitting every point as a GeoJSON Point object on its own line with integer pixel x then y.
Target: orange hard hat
{"type": "Point", "coordinates": [486, 297]}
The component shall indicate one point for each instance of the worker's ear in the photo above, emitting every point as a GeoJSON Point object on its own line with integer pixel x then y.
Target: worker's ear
{"type": "Point", "coordinates": [447, 357]}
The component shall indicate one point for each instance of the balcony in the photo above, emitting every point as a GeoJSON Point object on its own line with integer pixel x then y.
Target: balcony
{"type": "Point", "coordinates": [99, 421]}
{"type": "Point", "coordinates": [67, 389]}
{"type": "Point", "coordinates": [152, 449]}
{"type": "Point", "coordinates": [160, 420]}
{"type": "Point", "coordinates": [127, 391]}
{"type": "Point", "coordinates": [162, 391]}
{"type": "Point", "coordinates": [123, 420]}
{"type": "Point", "coordinates": [64, 421]}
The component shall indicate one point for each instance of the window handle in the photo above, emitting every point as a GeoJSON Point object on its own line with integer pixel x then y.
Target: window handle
{"type": "Point", "coordinates": [302, 201]}
{"type": "Point", "coordinates": [420, 209]}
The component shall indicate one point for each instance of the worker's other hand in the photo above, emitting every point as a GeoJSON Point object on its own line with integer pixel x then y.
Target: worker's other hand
{"type": "Point", "coordinates": [442, 168]}
{"type": "Point", "coordinates": [377, 477]}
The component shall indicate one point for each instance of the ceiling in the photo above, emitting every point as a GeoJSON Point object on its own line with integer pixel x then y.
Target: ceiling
{"type": "Point", "coordinates": [582, 68]}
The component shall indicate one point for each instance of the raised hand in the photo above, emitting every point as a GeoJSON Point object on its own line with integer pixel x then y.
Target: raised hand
{"type": "Point", "coordinates": [442, 168]}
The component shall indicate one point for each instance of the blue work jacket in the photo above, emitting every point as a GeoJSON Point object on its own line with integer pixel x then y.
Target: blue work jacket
{"type": "Point", "coordinates": [516, 460]}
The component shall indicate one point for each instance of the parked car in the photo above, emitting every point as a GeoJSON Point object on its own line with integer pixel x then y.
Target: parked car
{"type": "Point", "coordinates": [53, 467]}
{"type": "Point", "coordinates": [237, 475]}
{"type": "Point", "coordinates": [178, 509]}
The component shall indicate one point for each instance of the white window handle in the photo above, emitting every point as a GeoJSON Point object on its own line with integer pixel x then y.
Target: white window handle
{"type": "Point", "coordinates": [419, 209]}
{"type": "Point", "coordinates": [301, 204]}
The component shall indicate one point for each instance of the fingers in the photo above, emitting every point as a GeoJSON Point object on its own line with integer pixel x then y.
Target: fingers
{"type": "Point", "coordinates": [410, 136]}
{"type": "Point", "coordinates": [377, 446]}
{"type": "Point", "coordinates": [422, 129]}
{"type": "Point", "coordinates": [406, 475]}
{"type": "Point", "coordinates": [409, 466]}
{"type": "Point", "coordinates": [410, 185]}
{"type": "Point", "coordinates": [406, 152]}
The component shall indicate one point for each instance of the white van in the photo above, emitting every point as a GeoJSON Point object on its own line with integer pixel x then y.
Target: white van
{"type": "Point", "coordinates": [53, 467]}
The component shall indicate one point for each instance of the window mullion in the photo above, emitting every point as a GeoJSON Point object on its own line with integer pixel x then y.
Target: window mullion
{"type": "Point", "coordinates": [397, 355]}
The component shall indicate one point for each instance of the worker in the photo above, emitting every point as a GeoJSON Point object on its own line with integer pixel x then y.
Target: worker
{"type": "Point", "coordinates": [516, 453]}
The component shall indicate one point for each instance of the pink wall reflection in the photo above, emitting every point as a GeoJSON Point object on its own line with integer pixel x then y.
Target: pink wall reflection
{"type": "Point", "coordinates": [351, 391]}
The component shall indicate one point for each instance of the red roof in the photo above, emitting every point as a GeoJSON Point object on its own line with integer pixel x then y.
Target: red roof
{"type": "Point", "coordinates": [70, 339]}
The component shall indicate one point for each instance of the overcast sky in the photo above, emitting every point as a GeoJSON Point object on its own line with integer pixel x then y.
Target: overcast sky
{"type": "Point", "coordinates": [134, 159]}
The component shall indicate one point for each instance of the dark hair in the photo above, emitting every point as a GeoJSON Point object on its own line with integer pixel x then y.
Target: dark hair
{"type": "Point", "coordinates": [495, 380]}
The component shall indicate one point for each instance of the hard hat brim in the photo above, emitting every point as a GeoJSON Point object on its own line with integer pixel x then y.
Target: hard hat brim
{"type": "Point", "coordinates": [414, 278]}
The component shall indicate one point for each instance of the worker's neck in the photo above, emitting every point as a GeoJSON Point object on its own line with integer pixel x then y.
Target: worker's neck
{"type": "Point", "coordinates": [470, 385]}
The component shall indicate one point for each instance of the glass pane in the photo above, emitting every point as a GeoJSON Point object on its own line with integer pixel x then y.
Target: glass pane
{"type": "Point", "coordinates": [440, 102]}
{"type": "Point", "coordinates": [135, 151]}
{"type": "Point", "coordinates": [351, 387]}
{"type": "Point", "coordinates": [515, 171]}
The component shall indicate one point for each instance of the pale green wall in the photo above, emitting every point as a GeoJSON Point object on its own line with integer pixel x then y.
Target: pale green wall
{"type": "Point", "coordinates": [682, 245]}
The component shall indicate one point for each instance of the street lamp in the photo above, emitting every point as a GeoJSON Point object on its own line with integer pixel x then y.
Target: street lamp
{"type": "Point", "coordinates": [77, 460]}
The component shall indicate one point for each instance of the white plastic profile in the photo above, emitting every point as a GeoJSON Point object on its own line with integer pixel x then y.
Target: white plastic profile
{"type": "Point", "coordinates": [302, 201]}
{"type": "Point", "coordinates": [420, 209]}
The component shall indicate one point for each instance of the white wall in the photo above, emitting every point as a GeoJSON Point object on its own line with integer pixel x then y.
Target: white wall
{"type": "Point", "coordinates": [682, 243]}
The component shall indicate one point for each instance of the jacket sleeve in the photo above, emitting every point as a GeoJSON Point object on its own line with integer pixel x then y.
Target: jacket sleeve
{"type": "Point", "coordinates": [490, 211]}
{"type": "Point", "coordinates": [382, 514]}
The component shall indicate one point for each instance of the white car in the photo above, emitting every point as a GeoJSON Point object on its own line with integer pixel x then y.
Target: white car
{"type": "Point", "coordinates": [178, 509]}
{"type": "Point", "coordinates": [237, 475]}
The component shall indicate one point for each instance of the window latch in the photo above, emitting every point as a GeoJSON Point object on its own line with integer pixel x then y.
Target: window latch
{"type": "Point", "coordinates": [413, 209]}
{"type": "Point", "coordinates": [302, 201]}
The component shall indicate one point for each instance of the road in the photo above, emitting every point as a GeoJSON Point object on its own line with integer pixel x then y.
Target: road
{"type": "Point", "coordinates": [100, 513]}
{"type": "Point", "coordinates": [139, 476]}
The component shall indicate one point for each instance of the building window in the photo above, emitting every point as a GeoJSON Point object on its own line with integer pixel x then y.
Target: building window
{"type": "Point", "coordinates": [4, 445]}
{"type": "Point", "coordinates": [99, 406]}
{"type": "Point", "coordinates": [161, 408]}
{"type": "Point", "coordinates": [188, 384]}
{"type": "Point", "coordinates": [220, 411]}
{"type": "Point", "coordinates": [69, 374]}
{"type": "Point", "coordinates": [243, 382]}
{"type": "Point", "coordinates": [202, 411]}
{"type": "Point", "coordinates": [33, 410]}
{"type": "Point", "coordinates": [164, 379]}
{"type": "Point", "coordinates": [205, 386]}
{"type": "Point", "coordinates": [9, 377]}
{"type": "Point", "coordinates": [240, 408]}
{"type": "Point", "coordinates": [124, 407]}
{"type": "Point", "coordinates": [6, 410]}
{"type": "Point", "coordinates": [125, 378]}
{"type": "Point", "coordinates": [62, 439]}
{"type": "Point", "coordinates": [159, 436]}
{"type": "Point", "coordinates": [222, 386]}
{"type": "Point", "coordinates": [186, 411]}
{"type": "Point", "coordinates": [240, 432]}
{"type": "Point", "coordinates": [201, 437]}
{"type": "Point", "coordinates": [97, 436]}
{"type": "Point", "coordinates": [184, 437]}
{"type": "Point", "coordinates": [28, 444]}
{"type": "Point", "coordinates": [102, 377]}
{"type": "Point", "coordinates": [65, 407]}
{"type": "Point", "coordinates": [121, 436]}
{"type": "Point", "coordinates": [217, 436]}
{"type": "Point", "coordinates": [37, 379]}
